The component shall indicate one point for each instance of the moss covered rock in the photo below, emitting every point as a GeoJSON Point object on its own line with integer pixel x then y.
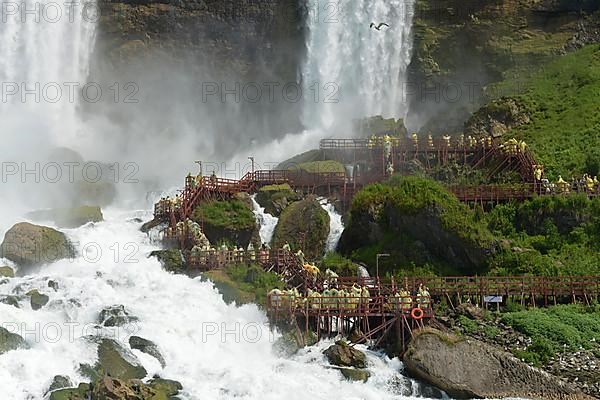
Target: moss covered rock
{"type": "Point", "coordinates": [82, 392]}
{"type": "Point", "coordinates": [230, 221]}
{"type": "Point", "coordinates": [304, 225]}
{"type": "Point", "coordinates": [69, 217]}
{"type": "Point", "coordinates": [342, 355]}
{"type": "Point", "coordinates": [7, 272]}
{"type": "Point", "coordinates": [60, 382]}
{"type": "Point", "coordinates": [418, 222]}
{"type": "Point", "coordinates": [37, 299]}
{"type": "Point", "coordinates": [117, 362]}
{"type": "Point", "coordinates": [11, 341]}
{"type": "Point", "coordinates": [10, 300]}
{"type": "Point", "coordinates": [28, 245]}
{"type": "Point", "coordinates": [354, 374]}
{"type": "Point", "coordinates": [165, 387]}
{"type": "Point", "coordinates": [171, 259]}
{"type": "Point", "coordinates": [275, 198]}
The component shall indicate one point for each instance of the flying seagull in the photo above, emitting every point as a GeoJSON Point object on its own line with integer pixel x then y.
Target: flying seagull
{"type": "Point", "coordinates": [378, 27]}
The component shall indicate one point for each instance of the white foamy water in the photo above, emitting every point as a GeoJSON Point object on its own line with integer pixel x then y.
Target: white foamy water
{"type": "Point", "coordinates": [359, 71]}
{"type": "Point", "coordinates": [265, 221]}
{"type": "Point", "coordinates": [217, 351]}
{"type": "Point", "coordinates": [336, 226]}
{"type": "Point", "coordinates": [46, 48]}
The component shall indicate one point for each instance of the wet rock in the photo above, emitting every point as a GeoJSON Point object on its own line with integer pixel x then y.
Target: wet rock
{"type": "Point", "coordinates": [303, 224]}
{"type": "Point", "coordinates": [115, 315]}
{"type": "Point", "coordinates": [79, 393]}
{"type": "Point", "coordinates": [355, 374]}
{"type": "Point", "coordinates": [29, 245]}
{"type": "Point", "coordinates": [11, 341]}
{"type": "Point", "coordinates": [10, 300]}
{"type": "Point", "coordinates": [171, 259]}
{"type": "Point", "coordinates": [7, 272]}
{"type": "Point", "coordinates": [148, 347]}
{"type": "Point", "coordinates": [60, 382]}
{"type": "Point", "coordinates": [53, 284]}
{"type": "Point", "coordinates": [341, 354]}
{"type": "Point", "coordinates": [117, 389]}
{"type": "Point", "coordinates": [165, 386]}
{"type": "Point", "coordinates": [472, 369]}
{"type": "Point", "coordinates": [37, 299]}
{"type": "Point", "coordinates": [116, 361]}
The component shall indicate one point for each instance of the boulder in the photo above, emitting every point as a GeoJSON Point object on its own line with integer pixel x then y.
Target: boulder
{"type": "Point", "coordinates": [60, 382]}
{"type": "Point", "coordinates": [11, 341]}
{"type": "Point", "coordinates": [109, 388]}
{"type": "Point", "coordinates": [69, 217]}
{"type": "Point", "coordinates": [496, 118]}
{"type": "Point", "coordinates": [304, 225]}
{"type": "Point", "coordinates": [342, 355]}
{"type": "Point", "coordinates": [28, 245]}
{"type": "Point", "coordinates": [472, 369]}
{"type": "Point", "coordinates": [10, 300]}
{"type": "Point", "coordinates": [171, 259]}
{"type": "Point", "coordinates": [53, 284]}
{"type": "Point", "coordinates": [353, 374]}
{"type": "Point", "coordinates": [165, 386]}
{"type": "Point", "coordinates": [115, 315]}
{"type": "Point", "coordinates": [79, 393]}
{"type": "Point", "coordinates": [276, 198]}
{"type": "Point", "coordinates": [37, 299]}
{"type": "Point", "coordinates": [116, 361]}
{"type": "Point", "coordinates": [148, 347]}
{"type": "Point", "coordinates": [7, 272]}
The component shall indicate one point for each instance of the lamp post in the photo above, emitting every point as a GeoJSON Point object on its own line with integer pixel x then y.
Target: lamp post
{"type": "Point", "coordinates": [252, 160]}
{"type": "Point", "coordinates": [200, 165]}
{"type": "Point", "coordinates": [377, 262]}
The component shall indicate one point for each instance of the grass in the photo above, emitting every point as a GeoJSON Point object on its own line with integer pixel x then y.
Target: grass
{"type": "Point", "coordinates": [231, 214]}
{"type": "Point", "coordinates": [562, 101]}
{"type": "Point", "coordinates": [276, 188]}
{"type": "Point", "coordinates": [328, 166]}
{"type": "Point", "coordinates": [556, 329]}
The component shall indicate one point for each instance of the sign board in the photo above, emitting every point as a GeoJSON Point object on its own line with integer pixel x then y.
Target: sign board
{"type": "Point", "coordinates": [493, 299]}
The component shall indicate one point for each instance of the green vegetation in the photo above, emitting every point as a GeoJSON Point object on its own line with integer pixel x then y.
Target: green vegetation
{"type": "Point", "coordinates": [327, 166]}
{"type": "Point", "coordinates": [556, 329]}
{"type": "Point", "coordinates": [562, 101]}
{"type": "Point", "coordinates": [338, 264]}
{"type": "Point", "coordinates": [232, 214]}
{"type": "Point", "coordinates": [304, 225]}
{"type": "Point", "coordinates": [468, 325]}
{"type": "Point", "coordinates": [547, 236]}
{"type": "Point", "coordinates": [245, 283]}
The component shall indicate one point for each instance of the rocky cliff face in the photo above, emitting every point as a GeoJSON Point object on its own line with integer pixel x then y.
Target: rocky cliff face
{"type": "Point", "coordinates": [462, 47]}
{"type": "Point", "coordinates": [239, 36]}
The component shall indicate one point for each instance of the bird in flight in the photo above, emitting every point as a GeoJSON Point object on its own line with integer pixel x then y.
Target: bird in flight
{"type": "Point", "coordinates": [378, 27]}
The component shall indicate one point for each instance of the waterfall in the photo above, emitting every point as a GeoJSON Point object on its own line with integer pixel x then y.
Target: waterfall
{"type": "Point", "coordinates": [199, 335]}
{"type": "Point", "coordinates": [357, 70]}
{"type": "Point", "coordinates": [46, 48]}
{"type": "Point", "coordinates": [336, 226]}
{"type": "Point", "coordinates": [265, 221]}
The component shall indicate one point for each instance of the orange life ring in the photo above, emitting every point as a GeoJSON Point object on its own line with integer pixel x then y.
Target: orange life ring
{"type": "Point", "coordinates": [416, 313]}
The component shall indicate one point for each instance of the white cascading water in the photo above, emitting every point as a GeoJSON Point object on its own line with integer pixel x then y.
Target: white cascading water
{"type": "Point", "coordinates": [336, 225]}
{"type": "Point", "coordinates": [46, 48]}
{"type": "Point", "coordinates": [360, 71]}
{"type": "Point", "coordinates": [217, 351]}
{"type": "Point", "coordinates": [265, 221]}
